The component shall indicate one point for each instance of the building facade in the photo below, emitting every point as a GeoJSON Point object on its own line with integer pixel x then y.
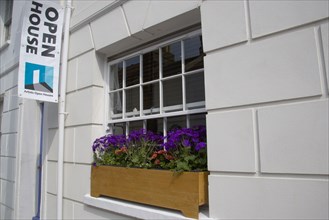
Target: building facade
{"type": "Point", "coordinates": [254, 72]}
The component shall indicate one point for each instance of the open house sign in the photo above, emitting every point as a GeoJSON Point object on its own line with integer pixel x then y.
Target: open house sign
{"type": "Point", "coordinates": [40, 51]}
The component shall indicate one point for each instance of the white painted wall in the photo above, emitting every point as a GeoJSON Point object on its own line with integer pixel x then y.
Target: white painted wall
{"type": "Point", "coordinates": [20, 124]}
{"type": "Point", "coordinates": [9, 129]}
{"type": "Point", "coordinates": [266, 75]}
{"type": "Point", "coordinates": [266, 81]}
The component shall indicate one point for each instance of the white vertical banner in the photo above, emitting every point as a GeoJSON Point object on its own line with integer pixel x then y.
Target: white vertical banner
{"type": "Point", "coordinates": [40, 51]}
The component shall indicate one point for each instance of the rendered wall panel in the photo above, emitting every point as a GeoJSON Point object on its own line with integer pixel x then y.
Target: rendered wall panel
{"type": "Point", "coordinates": [74, 187]}
{"type": "Point", "coordinates": [8, 145]}
{"type": "Point", "coordinates": [12, 145]}
{"type": "Point", "coordinates": [52, 144]}
{"type": "Point", "coordinates": [80, 41]}
{"type": "Point", "coordinates": [7, 192]}
{"type": "Point", "coordinates": [52, 116]}
{"type": "Point", "coordinates": [223, 23]}
{"type": "Point", "coordinates": [84, 138]}
{"type": "Point", "coordinates": [10, 79]}
{"type": "Point", "coordinates": [52, 177]}
{"type": "Point", "coordinates": [51, 209]}
{"type": "Point", "coordinates": [294, 138]}
{"type": "Point", "coordinates": [6, 213]}
{"type": "Point", "coordinates": [69, 143]}
{"type": "Point", "coordinates": [9, 122]}
{"type": "Point", "coordinates": [273, 16]}
{"type": "Point", "coordinates": [82, 111]}
{"type": "Point", "coordinates": [71, 82]}
{"type": "Point", "coordinates": [3, 144]}
{"type": "Point", "coordinates": [89, 70]}
{"type": "Point", "coordinates": [5, 102]}
{"type": "Point", "coordinates": [325, 44]}
{"type": "Point", "coordinates": [135, 20]}
{"type": "Point", "coordinates": [230, 141]}
{"type": "Point", "coordinates": [105, 32]}
{"type": "Point", "coordinates": [272, 69]}
{"type": "Point", "coordinates": [87, 8]}
{"type": "Point", "coordinates": [267, 198]}
{"type": "Point", "coordinates": [68, 209]}
{"type": "Point", "coordinates": [13, 99]}
{"type": "Point", "coordinates": [2, 86]}
{"type": "Point", "coordinates": [159, 11]}
{"type": "Point", "coordinates": [8, 168]}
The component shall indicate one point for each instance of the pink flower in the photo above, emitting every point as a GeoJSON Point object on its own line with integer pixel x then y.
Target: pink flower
{"type": "Point", "coordinates": [154, 156]}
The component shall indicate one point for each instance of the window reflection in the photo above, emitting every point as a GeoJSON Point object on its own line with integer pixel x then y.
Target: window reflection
{"type": "Point", "coordinates": [155, 125]}
{"type": "Point", "coordinates": [171, 59]}
{"type": "Point", "coordinates": [151, 98]}
{"type": "Point", "coordinates": [195, 90]}
{"type": "Point", "coordinates": [151, 66]}
{"type": "Point", "coordinates": [135, 125]}
{"type": "Point", "coordinates": [176, 122]}
{"type": "Point", "coordinates": [197, 120]}
{"type": "Point", "coordinates": [132, 71]}
{"type": "Point", "coordinates": [193, 52]}
{"type": "Point", "coordinates": [172, 94]}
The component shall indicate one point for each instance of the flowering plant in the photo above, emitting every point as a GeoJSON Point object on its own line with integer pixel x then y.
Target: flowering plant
{"type": "Point", "coordinates": [181, 150]}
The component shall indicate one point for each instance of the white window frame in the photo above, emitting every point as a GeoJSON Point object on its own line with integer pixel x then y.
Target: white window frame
{"type": "Point", "coordinates": [162, 113]}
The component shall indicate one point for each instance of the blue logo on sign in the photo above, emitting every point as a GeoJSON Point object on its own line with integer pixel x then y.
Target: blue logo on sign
{"type": "Point", "coordinates": [39, 77]}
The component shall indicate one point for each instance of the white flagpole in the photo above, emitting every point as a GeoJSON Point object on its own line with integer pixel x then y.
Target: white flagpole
{"type": "Point", "coordinates": [61, 109]}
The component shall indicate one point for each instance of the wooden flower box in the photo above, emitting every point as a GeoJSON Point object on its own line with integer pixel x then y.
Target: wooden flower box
{"type": "Point", "coordinates": [184, 191]}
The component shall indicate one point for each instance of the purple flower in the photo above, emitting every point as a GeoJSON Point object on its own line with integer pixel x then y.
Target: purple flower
{"type": "Point", "coordinates": [200, 145]}
{"type": "Point", "coordinates": [186, 143]}
{"type": "Point", "coordinates": [180, 143]}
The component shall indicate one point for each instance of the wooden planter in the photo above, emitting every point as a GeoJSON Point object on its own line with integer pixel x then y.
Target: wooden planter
{"type": "Point", "coordinates": [181, 191]}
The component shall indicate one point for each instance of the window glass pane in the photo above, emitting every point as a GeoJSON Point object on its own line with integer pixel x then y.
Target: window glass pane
{"type": "Point", "coordinates": [151, 98]}
{"type": "Point", "coordinates": [171, 59]}
{"type": "Point", "coordinates": [116, 105]}
{"type": "Point", "coordinates": [132, 102]}
{"type": "Point", "coordinates": [193, 53]}
{"type": "Point", "coordinates": [172, 94]}
{"type": "Point", "coordinates": [135, 125]}
{"type": "Point", "coordinates": [197, 120]}
{"type": "Point", "coordinates": [176, 122]}
{"type": "Point", "coordinates": [116, 76]}
{"type": "Point", "coordinates": [151, 66]}
{"type": "Point", "coordinates": [119, 128]}
{"type": "Point", "coordinates": [155, 125]}
{"type": "Point", "coordinates": [132, 71]}
{"type": "Point", "coordinates": [195, 91]}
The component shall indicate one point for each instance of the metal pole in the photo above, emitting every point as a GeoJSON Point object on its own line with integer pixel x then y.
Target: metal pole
{"type": "Point", "coordinates": [61, 110]}
{"type": "Point", "coordinates": [37, 217]}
